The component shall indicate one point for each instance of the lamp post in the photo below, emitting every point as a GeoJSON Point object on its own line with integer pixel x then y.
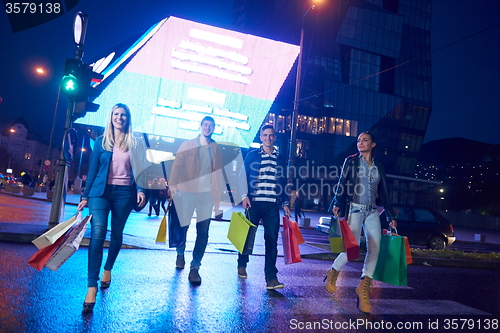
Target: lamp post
{"type": "Point", "coordinates": [293, 130]}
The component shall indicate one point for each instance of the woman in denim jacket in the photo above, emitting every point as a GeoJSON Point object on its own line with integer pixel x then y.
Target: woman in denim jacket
{"type": "Point", "coordinates": [361, 183]}
{"type": "Point", "coordinates": [111, 187]}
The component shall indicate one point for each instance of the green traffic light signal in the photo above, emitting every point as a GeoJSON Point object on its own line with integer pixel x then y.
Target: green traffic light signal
{"type": "Point", "coordinates": [69, 85]}
{"type": "Point", "coordinates": [76, 84]}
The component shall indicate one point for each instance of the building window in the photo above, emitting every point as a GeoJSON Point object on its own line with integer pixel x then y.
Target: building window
{"type": "Point", "coordinates": [343, 127]}
{"type": "Point", "coordinates": [365, 68]}
{"type": "Point", "coordinates": [280, 123]}
{"type": "Point", "coordinates": [27, 156]}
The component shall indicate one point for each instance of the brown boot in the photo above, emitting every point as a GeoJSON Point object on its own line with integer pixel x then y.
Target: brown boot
{"type": "Point", "coordinates": [331, 280]}
{"type": "Point", "coordinates": [363, 292]}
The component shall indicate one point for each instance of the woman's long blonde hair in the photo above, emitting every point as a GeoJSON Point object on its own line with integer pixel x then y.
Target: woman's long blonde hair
{"type": "Point", "coordinates": [108, 140]}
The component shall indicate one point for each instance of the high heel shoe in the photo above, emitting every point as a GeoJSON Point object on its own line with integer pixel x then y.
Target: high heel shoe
{"type": "Point", "coordinates": [89, 306]}
{"type": "Point", "coordinates": [363, 293]}
{"type": "Point", "coordinates": [105, 284]}
{"type": "Point", "coordinates": [331, 280]}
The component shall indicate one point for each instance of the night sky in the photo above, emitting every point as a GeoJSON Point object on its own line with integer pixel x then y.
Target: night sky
{"type": "Point", "coordinates": [465, 74]}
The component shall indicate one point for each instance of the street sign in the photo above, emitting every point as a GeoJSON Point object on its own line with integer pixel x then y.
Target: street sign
{"type": "Point", "coordinates": [47, 162]}
{"type": "Point", "coordinates": [46, 168]}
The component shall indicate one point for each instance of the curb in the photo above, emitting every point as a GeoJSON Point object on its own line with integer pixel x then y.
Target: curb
{"type": "Point", "coordinates": [31, 197]}
{"type": "Point", "coordinates": [421, 261]}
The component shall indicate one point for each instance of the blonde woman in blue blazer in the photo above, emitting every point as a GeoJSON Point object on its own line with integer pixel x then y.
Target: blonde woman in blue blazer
{"type": "Point", "coordinates": [113, 177]}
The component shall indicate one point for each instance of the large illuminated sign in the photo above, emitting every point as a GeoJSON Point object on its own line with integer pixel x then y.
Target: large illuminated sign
{"type": "Point", "coordinates": [181, 71]}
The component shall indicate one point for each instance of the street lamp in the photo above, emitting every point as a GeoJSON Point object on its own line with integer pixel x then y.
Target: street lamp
{"type": "Point", "coordinates": [293, 130]}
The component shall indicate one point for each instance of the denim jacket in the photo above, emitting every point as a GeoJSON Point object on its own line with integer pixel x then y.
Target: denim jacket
{"type": "Point", "coordinates": [250, 172]}
{"type": "Point", "coordinates": [345, 188]}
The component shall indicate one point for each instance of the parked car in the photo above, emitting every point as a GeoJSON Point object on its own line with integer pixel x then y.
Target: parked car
{"type": "Point", "coordinates": [424, 226]}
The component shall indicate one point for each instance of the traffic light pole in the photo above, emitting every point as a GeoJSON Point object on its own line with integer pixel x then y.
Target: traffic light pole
{"type": "Point", "coordinates": [58, 200]}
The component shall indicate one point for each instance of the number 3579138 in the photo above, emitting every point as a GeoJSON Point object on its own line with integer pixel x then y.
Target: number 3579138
{"type": "Point", "coordinates": [32, 8]}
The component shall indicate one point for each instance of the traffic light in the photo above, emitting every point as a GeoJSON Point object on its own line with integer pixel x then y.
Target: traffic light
{"type": "Point", "coordinates": [77, 85]}
{"type": "Point", "coordinates": [70, 84]}
{"type": "Point", "coordinates": [87, 91]}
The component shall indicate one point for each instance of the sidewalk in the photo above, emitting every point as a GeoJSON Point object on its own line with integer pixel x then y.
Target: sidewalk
{"type": "Point", "coordinates": [140, 232]}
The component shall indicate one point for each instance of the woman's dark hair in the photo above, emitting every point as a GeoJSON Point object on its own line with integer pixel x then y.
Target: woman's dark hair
{"type": "Point", "coordinates": [370, 134]}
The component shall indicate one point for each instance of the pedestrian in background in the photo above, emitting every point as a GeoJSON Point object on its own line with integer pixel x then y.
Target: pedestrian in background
{"type": "Point", "coordinates": [163, 195]}
{"type": "Point", "coordinates": [265, 180]}
{"type": "Point", "coordinates": [111, 187]}
{"type": "Point", "coordinates": [361, 183]}
{"type": "Point", "coordinates": [196, 184]}
{"type": "Point", "coordinates": [297, 207]}
{"type": "Point", "coordinates": [26, 179]}
{"type": "Point", "coordinates": [154, 199]}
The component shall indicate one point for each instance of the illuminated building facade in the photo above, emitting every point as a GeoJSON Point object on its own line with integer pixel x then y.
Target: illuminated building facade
{"type": "Point", "coordinates": [366, 66]}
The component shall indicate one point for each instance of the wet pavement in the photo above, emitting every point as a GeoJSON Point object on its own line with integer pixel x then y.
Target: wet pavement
{"type": "Point", "coordinates": [148, 294]}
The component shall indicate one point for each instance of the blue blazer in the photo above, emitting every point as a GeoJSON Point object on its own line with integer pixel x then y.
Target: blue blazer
{"type": "Point", "coordinates": [97, 177]}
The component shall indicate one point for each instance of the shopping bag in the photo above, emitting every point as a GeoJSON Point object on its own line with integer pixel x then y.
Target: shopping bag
{"type": "Point", "coordinates": [335, 236]}
{"type": "Point", "coordinates": [40, 258]}
{"type": "Point", "coordinates": [409, 258]}
{"type": "Point", "coordinates": [391, 263]}
{"type": "Point", "coordinates": [176, 233]}
{"type": "Point", "coordinates": [351, 246]}
{"type": "Point", "coordinates": [69, 245]}
{"type": "Point", "coordinates": [161, 236]}
{"type": "Point", "coordinates": [250, 240]}
{"type": "Point", "coordinates": [56, 232]}
{"type": "Point", "coordinates": [291, 251]}
{"type": "Point", "coordinates": [238, 231]}
{"type": "Point", "coordinates": [287, 223]}
{"type": "Point", "coordinates": [290, 240]}
{"type": "Point", "coordinates": [298, 233]}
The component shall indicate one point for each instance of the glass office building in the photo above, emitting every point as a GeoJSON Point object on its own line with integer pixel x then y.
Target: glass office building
{"type": "Point", "coordinates": [366, 66]}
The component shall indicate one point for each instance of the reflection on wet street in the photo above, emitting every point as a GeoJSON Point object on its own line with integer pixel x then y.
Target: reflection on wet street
{"type": "Point", "coordinates": [148, 294]}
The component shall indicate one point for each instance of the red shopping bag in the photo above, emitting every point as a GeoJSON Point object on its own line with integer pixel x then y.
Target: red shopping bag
{"type": "Point", "coordinates": [350, 244]}
{"type": "Point", "coordinates": [287, 223]}
{"type": "Point", "coordinates": [290, 241]}
{"type": "Point", "coordinates": [409, 258]}
{"type": "Point", "coordinates": [40, 258]}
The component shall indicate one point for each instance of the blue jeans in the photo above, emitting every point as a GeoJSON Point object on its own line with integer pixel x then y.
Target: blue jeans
{"type": "Point", "coordinates": [186, 203]}
{"type": "Point", "coordinates": [370, 221]}
{"type": "Point", "coordinates": [119, 200]}
{"type": "Point", "coordinates": [269, 213]}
